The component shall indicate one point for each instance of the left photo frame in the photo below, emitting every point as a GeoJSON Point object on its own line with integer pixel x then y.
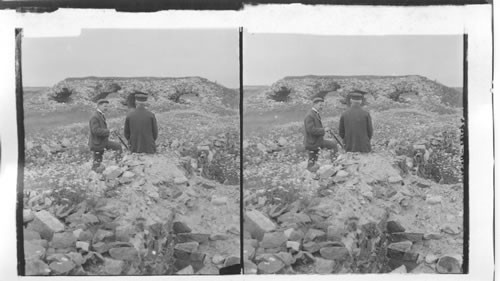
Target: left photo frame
{"type": "Point", "coordinates": [131, 162]}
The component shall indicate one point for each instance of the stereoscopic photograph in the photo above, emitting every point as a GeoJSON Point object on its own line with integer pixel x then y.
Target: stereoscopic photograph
{"type": "Point", "coordinates": [131, 152]}
{"type": "Point", "coordinates": [352, 154]}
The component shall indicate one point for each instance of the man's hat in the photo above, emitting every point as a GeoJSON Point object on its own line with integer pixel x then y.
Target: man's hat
{"type": "Point", "coordinates": [356, 95]}
{"type": "Point", "coordinates": [101, 101]}
{"type": "Point", "coordinates": [141, 97]}
{"type": "Point", "coordinates": [318, 99]}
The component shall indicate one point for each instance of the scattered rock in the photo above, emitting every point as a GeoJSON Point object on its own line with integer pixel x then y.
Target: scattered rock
{"type": "Point", "coordinates": [180, 180]}
{"type": "Point", "coordinates": [180, 227]}
{"type": "Point", "coordinates": [218, 236]}
{"type": "Point", "coordinates": [291, 217]}
{"type": "Point", "coordinates": [402, 236]}
{"type": "Point", "coordinates": [101, 234]}
{"type": "Point", "coordinates": [46, 224]}
{"type": "Point", "coordinates": [85, 236]}
{"type": "Point", "coordinates": [33, 250]}
{"type": "Point", "coordinates": [257, 224]}
{"type": "Point", "coordinates": [232, 260]}
{"type": "Point", "coordinates": [31, 235]}
{"type": "Point", "coordinates": [189, 247]}
{"type": "Point", "coordinates": [450, 229]}
{"type": "Point", "coordinates": [431, 258]}
{"type": "Point", "coordinates": [124, 253]}
{"type": "Point", "coordinates": [294, 245]}
{"type": "Point", "coordinates": [433, 200]}
{"type": "Point", "coordinates": [341, 174]}
{"type": "Point", "coordinates": [323, 266]}
{"type": "Point", "coordinates": [295, 235]}
{"type": "Point", "coordinates": [403, 246]}
{"type": "Point", "coordinates": [313, 234]}
{"type": "Point", "coordinates": [36, 267]}
{"type": "Point", "coordinates": [311, 247]}
{"type": "Point", "coordinates": [273, 240]}
{"type": "Point", "coordinates": [113, 267]}
{"type": "Point", "coordinates": [271, 266]}
{"type": "Point", "coordinates": [432, 236]}
{"type": "Point", "coordinates": [394, 226]}
{"type": "Point", "coordinates": [63, 240]}
{"type": "Point", "coordinates": [188, 270]}
{"type": "Point", "coordinates": [218, 201]}
{"type": "Point", "coordinates": [249, 267]}
{"type": "Point", "coordinates": [448, 264]}
{"type": "Point", "coordinates": [401, 269]}
{"type": "Point", "coordinates": [62, 267]}
{"type": "Point", "coordinates": [28, 215]}
{"type": "Point", "coordinates": [395, 179]}
{"type": "Point", "coordinates": [282, 141]}
{"type": "Point", "coordinates": [338, 254]}
{"type": "Point", "coordinates": [83, 245]}
{"type": "Point", "coordinates": [112, 172]}
{"type": "Point", "coordinates": [101, 247]}
{"type": "Point", "coordinates": [190, 237]}
{"type": "Point", "coordinates": [217, 259]}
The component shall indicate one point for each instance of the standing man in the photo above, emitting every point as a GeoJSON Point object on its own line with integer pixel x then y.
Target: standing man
{"type": "Point", "coordinates": [314, 133]}
{"type": "Point", "coordinates": [355, 126]}
{"type": "Point", "coordinates": [99, 135]}
{"type": "Point", "coordinates": [141, 129]}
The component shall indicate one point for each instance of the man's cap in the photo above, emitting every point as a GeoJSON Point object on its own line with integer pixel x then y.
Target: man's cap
{"type": "Point", "coordinates": [318, 99]}
{"type": "Point", "coordinates": [356, 95]}
{"type": "Point", "coordinates": [101, 101]}
{"type": "Point", "coordinates": [141, 97]}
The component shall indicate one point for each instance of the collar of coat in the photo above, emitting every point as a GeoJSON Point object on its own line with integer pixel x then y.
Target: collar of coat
{"type": "Point", "coordinates": [315, 110]}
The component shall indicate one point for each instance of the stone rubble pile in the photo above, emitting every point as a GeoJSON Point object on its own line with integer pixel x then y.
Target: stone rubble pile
{"type": "Point", "coordinates": [137, 218]}
{"type": "Point", "coordinates": [360, 218]}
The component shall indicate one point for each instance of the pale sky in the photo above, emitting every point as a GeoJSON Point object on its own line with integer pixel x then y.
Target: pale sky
{"type": "Point", "coordinates": [270, 57]}
{"type": "Point", "coordinates": [210, 53]}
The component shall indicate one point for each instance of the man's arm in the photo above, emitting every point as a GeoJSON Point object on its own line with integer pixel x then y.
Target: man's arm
{"type": "Point", "coordinates": [310, 128]}
{"type": "Point", "coordinates": [126, 129]}
{"type": "Point", "coordinates": [96, 129]}
{"type": "Point", "coordinates": [155, 128]}
{"type": "Point", "coordinates": [341, 127]}
{"type": "Point", "coordinates": [369, 127]}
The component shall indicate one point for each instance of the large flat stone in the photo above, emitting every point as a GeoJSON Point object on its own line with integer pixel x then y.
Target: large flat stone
{"type": "Point", "coordinates": [190, 237]}
{"type": "Point", "coordinates": [338, 254]}
{"type": "Point", "coordinates": [323, 266]}
{"type": "Point", "coordinates": [256, 223]}
{"type": "Point", "coordinates": [273, 240]}
{"type": "Point", "coordinates": [33, 250]}
{"type": "Point", "coordinates": [124, 253]}
{"type": "Point", "coordinates": [270, 266]}
{"type": "Point", "coordinates": [46, 224]}
{"type": "Point", "coordinates": [292, 217]}
{"type": "Point", "coordinates": [63, 240]}
{"type": "Point", "coordinates": [113, 267]}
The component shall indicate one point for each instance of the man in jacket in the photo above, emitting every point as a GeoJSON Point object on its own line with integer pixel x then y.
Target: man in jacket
{"type": "Point", "coordinates": [141, 129]}
{"type": "Point", "coordinates": [314, 133]}
{"type": "Point", "coordinates": [355, 126]}
{"type": "Point", "coordinates": [99, 135]}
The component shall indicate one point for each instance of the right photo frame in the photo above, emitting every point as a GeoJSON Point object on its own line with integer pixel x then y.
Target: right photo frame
{"type": "Point", "coordinates": [354, 154]}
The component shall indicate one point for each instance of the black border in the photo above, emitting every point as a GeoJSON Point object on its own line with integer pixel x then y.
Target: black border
{"type": "Point", "coordinates": [20, 154]}
{"type": "Point", "coordinates": [242, 259]}
{"type": "Point", "coordinates": [42, 6]}
{"type": "Point", "coordinates": [465, 141]}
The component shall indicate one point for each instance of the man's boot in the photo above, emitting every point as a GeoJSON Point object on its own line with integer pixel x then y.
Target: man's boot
{"type": "Point", "coordinates": [96, 164]}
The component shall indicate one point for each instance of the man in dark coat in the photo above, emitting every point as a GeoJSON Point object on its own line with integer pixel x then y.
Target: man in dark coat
{"type": "Point", "coordinates": [99, 135]}
{"type": "Point", "coordinates": [355, 126]}
{"type": "Point", "coordinates": [141, 129]}
{"type": "Point", "coordinates": [314, 133]}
